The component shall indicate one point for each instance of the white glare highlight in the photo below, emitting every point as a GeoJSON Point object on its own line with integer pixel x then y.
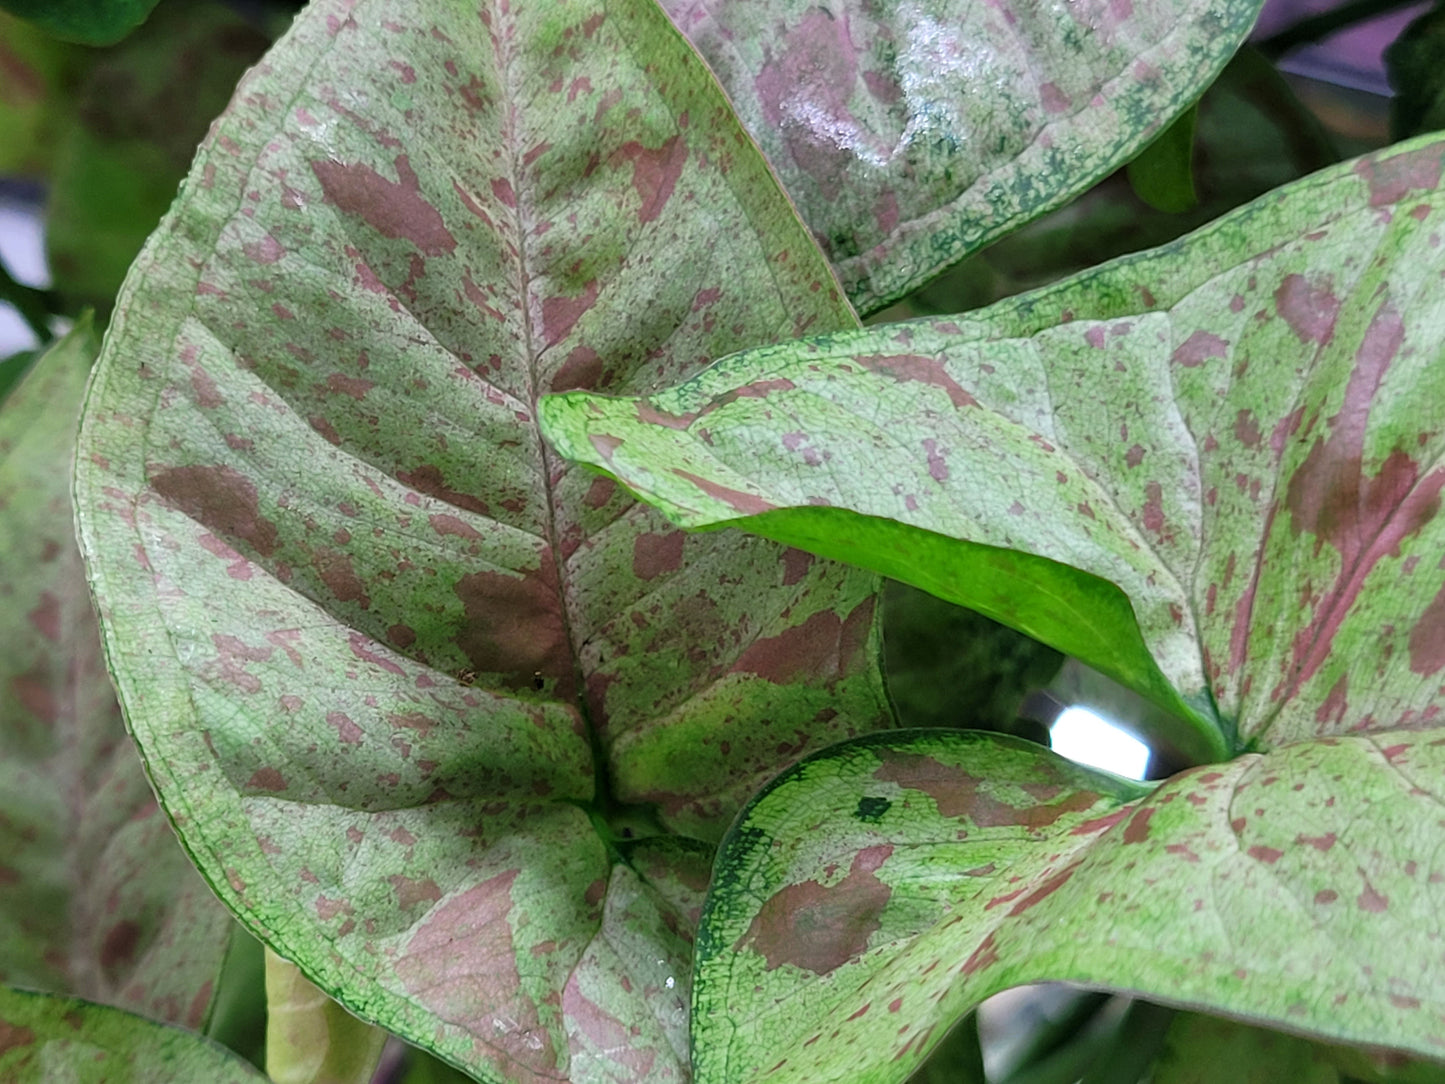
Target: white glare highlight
{"type": "Point", "coordinates": [1086, 738]}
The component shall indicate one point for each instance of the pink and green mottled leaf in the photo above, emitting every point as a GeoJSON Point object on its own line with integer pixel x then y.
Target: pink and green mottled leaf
{"type": "Point", "coordinates": [414, 689]}
{"type": "Point", "coordinates": [914, 133]}
{"type": "Point", "coordinates": [1298, 889]}
{"type": "Point", "coordinates": [45, 1039]}
{"type": "Point", "coordinates": [1234, 441]}
{"type": "Point", "coordinates": [96, 897]}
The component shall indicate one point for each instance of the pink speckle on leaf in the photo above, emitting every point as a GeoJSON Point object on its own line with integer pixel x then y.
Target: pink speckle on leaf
{"type": "Point", "coordinates": [393, 208]}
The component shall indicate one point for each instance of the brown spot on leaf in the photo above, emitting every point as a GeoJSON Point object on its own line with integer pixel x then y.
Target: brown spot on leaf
{"type": "Point", "coordinates": [986, 955]}
{"type": "Point", "coordinates": [1371, 900]}
{"type": "Point", "coordinates": [1045, 890]}
{"type": "Point", "coordinates": [560, 314]}
{"type": "Point", "coordinates": [514, 627]}
{"type": "Point", "coordinates": [461, 964]}
{"type": "Point", "coordinates": [1364, 519]}
{"type": "Point", "coordinates": [410, 892]}
{"type": "Point", "coordinates": [1392, 177]}
{"type": "Point", "coordinates": [13, 1036]}
{"type": "Point", "coordinates": [221, 499]}
{"type": "Point", "coordinates": [1310, 310]}
{"type": "Point", "coordinates": [119, 947]}
{"type": "Point", "coordinates": [336, 572]}
{"type": "Point", "coordinates": [45, 617]}
{"type": "Point", "coordinates": [1200, 347]}
{"type": "Point", "coordinates": [582, 369]}
{"type": "Point", "coordinates": [920, 369]}
{"type": "Point", "coordinates": [1427, 638]}
{"type": "Point", "coordinates": [1137, 830]}
{"type": "Point", "coordinates": [266, 779]}
{"type": "Point", "coordinates": [820, 928]}
{"type": "Point", "coordinates": [428, 479]}
{"type": "Point", "coordinates": [748, 504]}
{"type": "Point", "coordinates": [958, 793]}
{"type": "Point", "coordinates": [1268, 855]}
{"type": "Point", "coordinates": [655, 555]}
{"type": "Point", "coordinates": [655, 172]}
{"type": "Point", "coordinates": [394, 209]}
{"type": "Point", "coordinates": [820, 650]}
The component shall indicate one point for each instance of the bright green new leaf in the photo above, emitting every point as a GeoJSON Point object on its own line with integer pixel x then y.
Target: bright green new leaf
{"type": "Point", "coordinates": [89, 22]}
{"type": "Point", "coordinates": [1234, 440]}
{"type": "Point", "coordinates": [1299, 888]}
{"type": "Point", "coordinates": [96, 897]}
{"type": "Point", "coordinates": [914, 133]}
{"type": "Point", "coordinates": [46, 1039]}
{"type": "Point", "coordinates": [423, 698]}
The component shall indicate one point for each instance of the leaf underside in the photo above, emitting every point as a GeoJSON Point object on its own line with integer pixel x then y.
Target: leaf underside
{"type": "Point", "coordinates": [424, 701]}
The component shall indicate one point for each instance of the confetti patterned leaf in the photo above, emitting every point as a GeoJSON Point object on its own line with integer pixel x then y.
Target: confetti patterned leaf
{"type": "Point", "coordinates": [913, 132]}
{"type": "Point", "coordinates": [1301, 888]}
{"type": "Point", "coordinates": [1234, 440]}
{"type": "Point", "coordinates": [422, 697]}
{"type": "Point", "coordinates": [45, 1039]}
{"type": "Point", "coordinates": [96, 896]}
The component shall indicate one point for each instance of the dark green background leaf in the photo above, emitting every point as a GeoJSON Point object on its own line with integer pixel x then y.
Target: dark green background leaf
{"type": "Point", "coordinates": [90, 22]}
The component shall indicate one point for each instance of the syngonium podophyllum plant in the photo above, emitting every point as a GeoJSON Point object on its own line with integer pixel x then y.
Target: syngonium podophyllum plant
{"type": "Point", "coordinates": [489, 747]}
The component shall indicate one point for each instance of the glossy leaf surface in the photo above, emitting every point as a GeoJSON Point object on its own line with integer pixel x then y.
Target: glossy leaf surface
{"type": "Point", "coordinates": [96, 896]}
{"type": "Point", "coordinates": [1252, 135]}
{"type": "Point", "coordinates": [913, 132]}
{"type": "Point", "coordinates": [1241, 430]}
{"type": "Point", "coordinates": [1298, 888]}
{"type": "Point", "coordinates": [89, 22]}
{"type": "Point", "coordinates": [45, 1039]}
{"type": "Point", "coordinates": [414, 688]}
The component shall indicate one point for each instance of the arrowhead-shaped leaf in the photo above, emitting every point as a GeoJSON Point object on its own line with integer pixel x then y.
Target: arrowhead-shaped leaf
{"type": "Point", "coordinates": [417, 691]}
{"type": "Point", "coordinates": [1242, 431]}
{"type": "Point", "coordinates": [96, 896]}
{"type": "Point", "coordinates": [1299, 888]}
{"type": "Point", "coordinates": [45, 1039]}
{"type": "Point", "coordinates": [913, 134]}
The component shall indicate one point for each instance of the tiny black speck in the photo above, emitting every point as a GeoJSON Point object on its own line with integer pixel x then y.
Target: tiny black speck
{"type": "Point", "coordinates": [871, 810]}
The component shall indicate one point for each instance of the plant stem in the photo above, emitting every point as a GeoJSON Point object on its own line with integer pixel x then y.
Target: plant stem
{"type": "Point", "coordinates": [1318, 27]}
{"type": "Point", "coordinates": [33, 305]}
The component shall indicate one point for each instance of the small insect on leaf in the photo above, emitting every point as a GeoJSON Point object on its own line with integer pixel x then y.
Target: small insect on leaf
{"type": "Point", "coordinates": [467, 676]}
